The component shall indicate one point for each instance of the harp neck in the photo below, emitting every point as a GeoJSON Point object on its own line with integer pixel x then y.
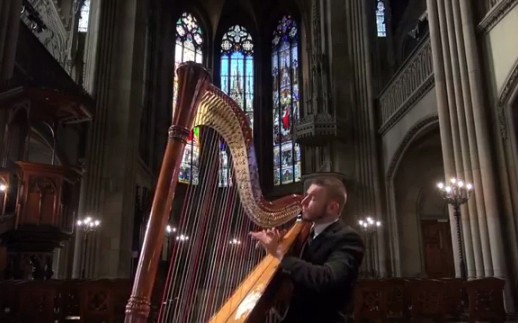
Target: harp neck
{"type": "Point", "coordinates": [220, 112]}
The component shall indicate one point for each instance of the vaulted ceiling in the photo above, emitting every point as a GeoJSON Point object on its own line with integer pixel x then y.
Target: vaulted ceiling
{"type": "Point", "coordinates": [247, 12]}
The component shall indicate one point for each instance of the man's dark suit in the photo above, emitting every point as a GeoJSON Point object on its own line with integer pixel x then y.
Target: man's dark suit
{"type": "Point", "coordinates": [325, 275]}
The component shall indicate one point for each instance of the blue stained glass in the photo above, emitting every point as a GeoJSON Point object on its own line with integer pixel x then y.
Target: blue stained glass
{"type": "Point", "coordinates": [237, 80]}
{"type": "Point", "coordinates": [286, 101]}
{"type": "Point", "coordinates": [224, 74]}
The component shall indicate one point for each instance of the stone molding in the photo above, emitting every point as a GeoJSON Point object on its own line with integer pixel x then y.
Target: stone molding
{"type": "Point", "coordinates": [495, 15]}
{"type": "Point", "coordinates": [504, 99]}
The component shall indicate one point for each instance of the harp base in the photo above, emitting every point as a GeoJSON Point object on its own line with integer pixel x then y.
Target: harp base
{"type": "Point", "coordinates": [137, 310]}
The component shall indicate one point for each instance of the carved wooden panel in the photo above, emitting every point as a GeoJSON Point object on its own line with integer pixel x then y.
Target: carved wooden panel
{"type": "Point", "coordinates": [40, 197]}
{"type": "Point", "coordinates": [426, 299]}
{"type": "Point", "coordinates": [486, 299]}
{"type": "Point", "coordinates": [370, 300]}
{"type": "Point", "coordinates": [44, 298]}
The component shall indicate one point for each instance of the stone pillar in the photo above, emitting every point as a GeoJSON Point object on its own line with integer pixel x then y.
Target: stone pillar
{"type": "Point", "coordinates": [352, 76]}
{"type": "Point", "coordinates": [109, 185]}
{"type": "Point", "coordinates": [368, 174]}
{"type": "Point", "coordinates": [449, 50]}
{"type": "Point", "coordinates": [488, 175]}
{"type": "Point", "coordinates": [464, 133]}
{"type": "Point", "coordinates": [476, 206]}
{"type": "Point", "coordinates": [445, 123]}
{"type": "Point", "coordinates": [341, 111]}
{"type": "Point", "coordinates": [9, 25]}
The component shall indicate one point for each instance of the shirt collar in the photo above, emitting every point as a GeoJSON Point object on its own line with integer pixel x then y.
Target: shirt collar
{"type": "Point", "coordinates": [318, 228]}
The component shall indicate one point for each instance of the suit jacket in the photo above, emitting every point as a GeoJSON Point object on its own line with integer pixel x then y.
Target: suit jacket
{"type": "Point", "coordinates": [324, 276]}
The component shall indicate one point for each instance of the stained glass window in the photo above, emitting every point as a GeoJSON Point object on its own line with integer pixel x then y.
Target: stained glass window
{"type": "Point", "coordinates": [237, 80]}
{"type": "Point", "coordinates": [189, 41]}
{"type": "Point", "coordinates": [380, 19]}
{"type": "Point", "coordinates": [84, 15]}
{"type": "Point", "coordinates": [286, 101]}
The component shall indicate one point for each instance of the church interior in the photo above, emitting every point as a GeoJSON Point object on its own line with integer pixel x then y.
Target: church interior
{"type": "Point", "coordinates": [141, 140]}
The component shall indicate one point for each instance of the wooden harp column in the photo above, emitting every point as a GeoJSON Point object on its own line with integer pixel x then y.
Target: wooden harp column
{"type": "Point", "coordinates": [193, 80]}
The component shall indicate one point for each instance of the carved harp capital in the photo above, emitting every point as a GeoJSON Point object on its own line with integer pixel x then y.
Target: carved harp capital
{"type": "Point", "coordinates": [179, 133]}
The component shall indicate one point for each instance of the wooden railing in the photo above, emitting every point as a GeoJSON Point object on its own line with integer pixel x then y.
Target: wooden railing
{"type": "Point", "coordinates": [400, 299]}
{"type": "Point", "coordinates": [395, 300]}
{"type": "Point", "coordinates": [410, 82]}
{"type": "Point", "coordinates": [63, 300]}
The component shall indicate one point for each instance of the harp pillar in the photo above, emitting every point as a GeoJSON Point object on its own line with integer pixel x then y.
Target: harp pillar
{"type": "Point", "coordinates": [193, 81]}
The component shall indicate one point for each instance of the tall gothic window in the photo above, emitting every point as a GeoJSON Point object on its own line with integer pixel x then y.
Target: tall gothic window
{"type": "Point", "coordinates": [237, 80]}
{"type": "Point", "coordinates": [189, 41]}
{"type": "Point", "coordinates": [83, 18]}
{"type": "Point", "coordinates": [380, 19]}
{"type": "Point", "coordinates": [286, 101]}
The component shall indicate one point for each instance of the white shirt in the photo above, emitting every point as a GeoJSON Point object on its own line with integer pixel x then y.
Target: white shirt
{"type": "Point", "coordinates": [318, 228]}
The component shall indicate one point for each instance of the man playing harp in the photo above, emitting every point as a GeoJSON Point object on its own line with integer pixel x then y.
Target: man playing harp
{"type": "Point", "coordinates": [324, 275]}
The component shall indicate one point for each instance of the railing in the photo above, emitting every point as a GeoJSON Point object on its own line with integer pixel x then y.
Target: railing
{"type": "Point", "coordinates": [410, 82]}
{"type": "Point", "coordinates": [439, 299]}
{"type": "Point", "coordinates": [43, 18]}
{"type": "Point", "coordinates": [100, 300]}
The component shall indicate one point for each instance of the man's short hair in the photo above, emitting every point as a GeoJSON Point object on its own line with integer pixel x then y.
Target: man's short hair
{"type": "Point", "coordinates": [335, 189]}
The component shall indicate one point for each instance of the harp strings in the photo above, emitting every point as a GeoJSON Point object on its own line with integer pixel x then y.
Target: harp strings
{"type": "Point", "coordinates": [178, 283]}
{"type": "Point", "coordinates": [215, 253]}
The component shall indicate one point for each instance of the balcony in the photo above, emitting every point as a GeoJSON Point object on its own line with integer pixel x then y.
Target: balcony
{"type": "Point", "coordinates": [413, 79]}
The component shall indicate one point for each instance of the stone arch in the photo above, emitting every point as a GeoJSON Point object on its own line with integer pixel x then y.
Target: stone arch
{"type": "Point", "coordinates": [412, 199]}
{"type": "Point", "coordinates": [507, 122]}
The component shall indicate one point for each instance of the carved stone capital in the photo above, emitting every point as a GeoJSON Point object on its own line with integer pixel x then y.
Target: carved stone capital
{"type": "Point", "coordinates": [318, 129]}
{"type": "Point", "coordinates": [178, 133]}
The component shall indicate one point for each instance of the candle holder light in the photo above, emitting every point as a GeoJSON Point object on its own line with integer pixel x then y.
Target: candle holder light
{"type": "Point", "coordinates": [456, 193]}
{"type": "Point", "coordinates": [87, 226]}
{"type": "Point", "coordinates": [369, 226]}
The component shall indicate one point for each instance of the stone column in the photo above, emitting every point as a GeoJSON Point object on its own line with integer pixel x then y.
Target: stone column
{"type": "Point", "coordinates": [488, 175]}
{"type": "Point", "coordinates": [338, 130]}
{"type": "Point", "coordinates": [9, 25]}
{"type": "Point", "coordinates": [477, 207]}
{"type": "Point", "coordinates": [449, 51]}
{"type": "Point", "coordinates": [359, 111]}
{"type": "Point", "coordinates": [464, 129]}
{"type": "Point", "coordinates": [445, 123]}
{"type": "Point", "coordinates": [109, 185]}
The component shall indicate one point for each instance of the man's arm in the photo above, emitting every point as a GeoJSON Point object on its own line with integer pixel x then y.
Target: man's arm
{"type": "Point", "coordinates": [341, 266]}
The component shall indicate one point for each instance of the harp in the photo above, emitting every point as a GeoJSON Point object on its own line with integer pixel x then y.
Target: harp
{"type": "Point", "coordinates": [228, 280]}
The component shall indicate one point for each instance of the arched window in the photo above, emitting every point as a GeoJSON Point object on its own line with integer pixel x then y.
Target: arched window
{"type": "Point", "coordinates": [380, 19]}
{"type": "Point", "coordinates": [286, 101]}
{"type": "Point", "coordinates": [189, 41]}
{"type": "Point", "coordinates": [237, 80]}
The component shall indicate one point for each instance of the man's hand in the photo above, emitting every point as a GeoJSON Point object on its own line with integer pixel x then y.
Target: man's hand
{"type": "Point", "coordinates": [270, 240]}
